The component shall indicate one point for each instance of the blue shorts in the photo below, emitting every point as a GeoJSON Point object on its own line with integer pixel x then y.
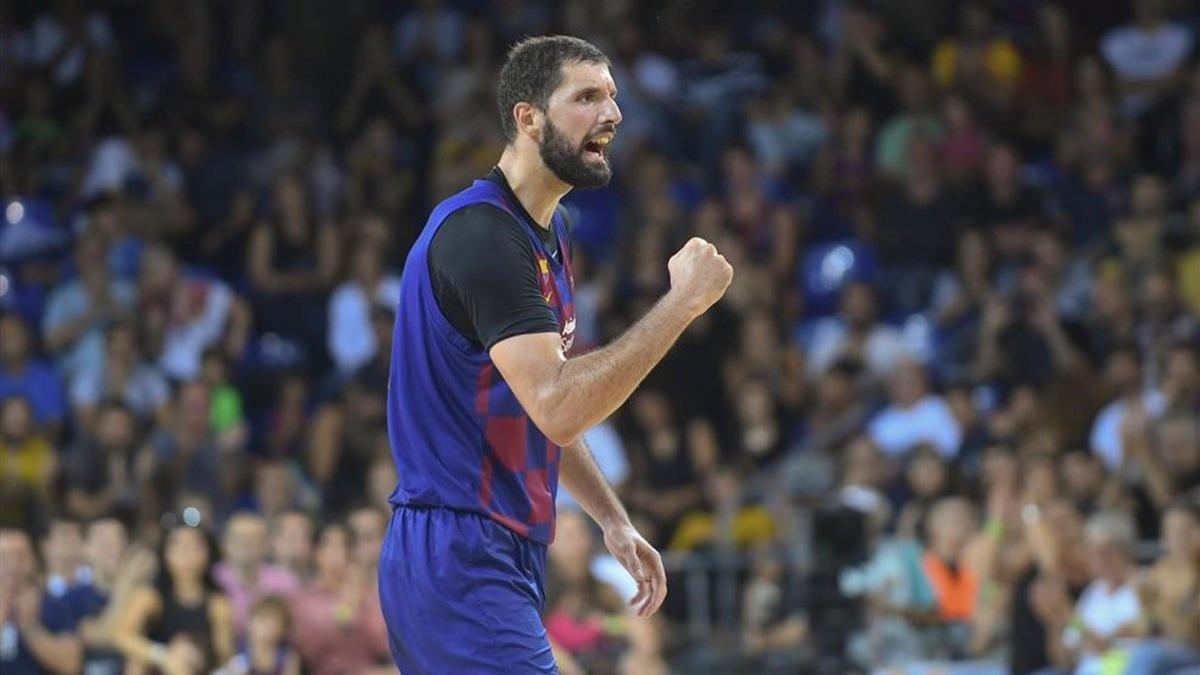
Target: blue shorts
{"type": "Point", "coordinates": [462, 594]}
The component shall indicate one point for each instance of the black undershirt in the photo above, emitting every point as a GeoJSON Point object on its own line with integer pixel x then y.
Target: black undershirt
{"type": "Point", "coordinates": [484, 271]}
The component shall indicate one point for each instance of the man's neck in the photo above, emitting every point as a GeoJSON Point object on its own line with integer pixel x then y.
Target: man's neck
{"type": "Point", "coordinates": [537, 188]}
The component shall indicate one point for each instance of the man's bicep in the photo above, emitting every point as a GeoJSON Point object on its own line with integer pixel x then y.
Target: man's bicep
{"type": "Point", "coordinates": [530, 364]}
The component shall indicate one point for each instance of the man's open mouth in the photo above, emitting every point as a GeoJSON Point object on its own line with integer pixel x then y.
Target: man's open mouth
{"type": "Point", "coordinates": [598, 146]}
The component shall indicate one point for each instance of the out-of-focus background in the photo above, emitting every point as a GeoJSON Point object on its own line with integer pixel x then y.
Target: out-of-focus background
{"type": "Point", "coordinates": [945, 420]}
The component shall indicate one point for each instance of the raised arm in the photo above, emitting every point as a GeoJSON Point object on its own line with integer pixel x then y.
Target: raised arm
{"type": "Point", "coordinates": [565, 397]}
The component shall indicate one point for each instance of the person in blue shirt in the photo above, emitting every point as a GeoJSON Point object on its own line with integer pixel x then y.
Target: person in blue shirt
{"type": "Point", "coordinates": [80, 614]}
{"type": "Point", "coordinates": [487, 402]}
{"type": "Point", "coordinates": [23, 375]}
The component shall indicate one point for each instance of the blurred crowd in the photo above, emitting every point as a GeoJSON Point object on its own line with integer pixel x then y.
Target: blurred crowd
{"type": "Point", "coordinates": [947, 419]}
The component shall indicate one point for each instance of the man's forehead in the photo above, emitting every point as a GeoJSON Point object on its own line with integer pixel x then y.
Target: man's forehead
{"type": "Point", "coordinates": [582, 74]}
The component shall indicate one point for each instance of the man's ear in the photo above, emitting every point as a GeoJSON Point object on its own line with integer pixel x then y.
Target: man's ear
{"type": "Point", "coordinates": [529, 120]}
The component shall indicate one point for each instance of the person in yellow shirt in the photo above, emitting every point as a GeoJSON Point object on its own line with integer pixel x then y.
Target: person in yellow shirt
{"type": "Point", "coordinates": [978, 56]}
{"type": "Point", "coordinates": [27, 461]}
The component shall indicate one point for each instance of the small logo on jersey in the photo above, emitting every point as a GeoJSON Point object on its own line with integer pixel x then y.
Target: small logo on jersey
{"type": "Point", "coordinates": [547, 297]}
{"type": "Point", "coordinates": [568, 334]}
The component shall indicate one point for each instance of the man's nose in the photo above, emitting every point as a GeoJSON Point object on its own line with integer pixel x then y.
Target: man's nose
{"type": "Point", "coordinates": [611, 113]}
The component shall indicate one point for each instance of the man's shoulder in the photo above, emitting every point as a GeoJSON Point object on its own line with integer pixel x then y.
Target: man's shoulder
{"type": "Point", "coordinates": [479, 213]}
{"type": "Point", "coordinates": [479, 226]}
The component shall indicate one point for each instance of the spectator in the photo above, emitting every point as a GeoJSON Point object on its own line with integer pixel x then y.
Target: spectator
{"type": "Point", "coordinates": [292, 258]}
{"type": "Point", "coordinates": [338, 623]}
{"type": "Point", "coordinates": [61, 549]}
{"type": "Point", "coordinates": [1167, 591]}
{"type": "Point", "coordinates": [266, 648]}
{"type": "Point", "coordinates": [82, 617]}
{"type": "Point", "coordinates": [346, 434]}
{"type": "Point", "coordinates": [352, 340]}
{"type": "Point", "coordinates": [27, 462]}
{"type": "Point", "coordinates": [916, 120]}
{"type": "Point", "coordinates": [285, 423]}
{"type": "Point", "coordinates": [292, 543]}
{"type": "Point", "coordinates": [182, 315]}
{"type": "Point", "coordinates": [856, 333]}
{"type": "Point", "coordinates": [1123, 373]}
{"type": "Point", "coordinates": [244, 575]}
{"type": "Point", "coordinates": [1109, 610]}
{"type": "Point", "coordinates": [29, 647]}
{"type": "Point", "coordinates": [121, 375]}
{"type": "Point", "coordinates": [368, 526]}
{"type": "Point", "coordinates": [79, 310]}
{"type": "Point", "coordinates": [184, 455]}
{"type": "Point", "coordinates": [771, 625]}
{"type": "Point", "coordinates": [1165, 458]}
{"type": "Point", "coordinates": [587, 618]}
{"type": "Point", "coordinates": [914, 415]}
{"type": "Point", "coordinates": [181, 623]}
{"type": "Point", "coordinates": [228, 421]}
{"type": "Point", "coordinates": [1052, 575]}
{"type": "Point", "coordinates": [926, 482]}
{"type": "Point", "coordinates": [1009, 211]}
{"type": "Point", "coordinates": [1146, 56]}
{"type": "Point", "coordinates": [33, 379]}
{"type": "Point", "coordinates": [277, 488]}
{"type": "Point", "coordinates": [98, 475]}
{"type": "Point", "coordinates": [978, 59]}
{"type": "Point", "coordinates": [62, 37]}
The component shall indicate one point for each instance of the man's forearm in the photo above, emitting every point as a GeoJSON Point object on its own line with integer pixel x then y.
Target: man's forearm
{"type": "Point", "coordinates": [583, 478]}
{"type": "Point", "coordinates": [590, 387]}
{"type": "Point", "coordinates": [56, 653]}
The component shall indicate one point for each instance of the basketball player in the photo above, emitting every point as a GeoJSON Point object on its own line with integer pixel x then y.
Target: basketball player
{"type": "Point", "coordinates": [487, 405]}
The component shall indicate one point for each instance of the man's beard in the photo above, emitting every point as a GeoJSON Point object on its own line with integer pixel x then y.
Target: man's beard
{"type": "Point", "coordinates": [568, 163]}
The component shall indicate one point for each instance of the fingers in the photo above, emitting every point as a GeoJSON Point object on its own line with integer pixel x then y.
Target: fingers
{"type": "Point", "coordinates": [653, 579]}
{"type": "Point", "coordinates": [660, 577]}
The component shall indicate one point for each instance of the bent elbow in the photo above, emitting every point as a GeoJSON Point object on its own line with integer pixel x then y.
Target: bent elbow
{"type": "Point", "coordinates": [558, 432]}
{"type": "Point", "coordinates": [554, 425]}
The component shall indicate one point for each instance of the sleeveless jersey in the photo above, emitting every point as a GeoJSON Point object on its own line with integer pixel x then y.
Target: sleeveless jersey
{"type": "Point", "coordinates": [459, 437]}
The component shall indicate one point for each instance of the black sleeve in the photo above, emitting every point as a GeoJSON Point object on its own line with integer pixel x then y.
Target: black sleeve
{"type": "Point", "coordinates": [484, 276]}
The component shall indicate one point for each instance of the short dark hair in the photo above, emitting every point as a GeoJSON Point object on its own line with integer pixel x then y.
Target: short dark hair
{"type": "Point", "coordinates": [534, 70]}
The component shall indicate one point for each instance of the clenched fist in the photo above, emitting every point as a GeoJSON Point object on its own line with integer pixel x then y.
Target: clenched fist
{"type": "Point", "coordinates": [699, 275]}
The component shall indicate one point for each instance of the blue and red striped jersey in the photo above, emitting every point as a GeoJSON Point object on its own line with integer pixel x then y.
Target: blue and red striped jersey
{"type": "Point", "coordinates": [459, 437]}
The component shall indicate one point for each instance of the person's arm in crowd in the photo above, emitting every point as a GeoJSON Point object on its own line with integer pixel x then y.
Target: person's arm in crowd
{"type": "Point", "coordinates": [60, 333]}
{"type": "Point", "coordinates": [240, 219]}
{"type": "Point", "coordinates": [565, 397]}
{"type": "Point", "coordinates": [1139, 451]}
{"type": "Point", "coordinates": [325, 442]}
{"type": "Point", "coordinates": [987, 350]}
{"type": "Point", "coordinates": [57, 653]}
{"type": "Point", "coordinates": [238, 326]}
{"type": "Point", "coordinates": [579, 474]}
{"type": "Point", "coordinates": [220, 616]}
{"type": "Point", "coordinates": [135, 571]}
{"type": "Point", "coordinates": [1062, 351]}
{"type": "Point", "coordinates": [1050, 603]}
{"type": "Point", "coordinates": [329, 254]}
{"type": "Point", "coordinates": [127, 630]}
